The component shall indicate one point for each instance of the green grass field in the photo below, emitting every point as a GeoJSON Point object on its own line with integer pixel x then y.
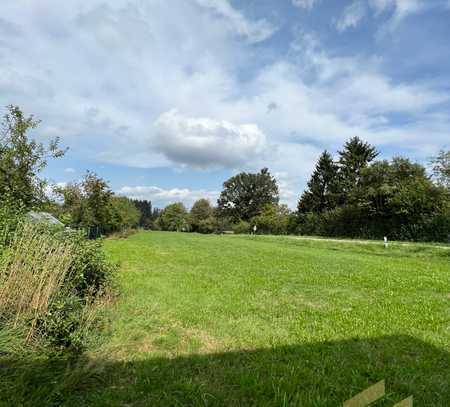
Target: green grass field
{"type": "Point", "coordinates": [259, 321]}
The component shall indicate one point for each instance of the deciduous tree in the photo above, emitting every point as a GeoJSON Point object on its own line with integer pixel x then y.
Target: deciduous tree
{"type": "Point", "coordinates": [201, 216]}
{"type": "Point", "coordinates": [441, 168]}
{"type": "Point", "coordinates": [245, 195]}
{"type": "Point", "coordinates": [87, 203]}
{"type": "Point", "coordinates": [174, 217]}
{"type": "Point", "coordinates": [22, 159]}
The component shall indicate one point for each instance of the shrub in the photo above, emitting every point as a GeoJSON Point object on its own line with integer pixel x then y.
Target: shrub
{"type": "Point", "coordinates": [346, 221]}
{"type": "Point", "coordinates": [61, 323]}
{"type": "Point", "coordinates": [208, 225]}
{"type": "Point", "coordinates": [49, 280]}
{"type": "Point", "coordinates": [241, 228]}
{"type": "Point", "coordinates": [69, 321]}
{"type": "Point", "coordinates": [273, 220]}
{"type": "Point", "coordinates": [90, 272]}
{"type": "Point", "coordinates": [429, 228]}
{"type": "Point", "coordinates": [309, 223]}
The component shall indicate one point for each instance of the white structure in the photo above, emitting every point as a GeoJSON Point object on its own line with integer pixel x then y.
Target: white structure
{"type": "Point", "coordinates": [36, 217]}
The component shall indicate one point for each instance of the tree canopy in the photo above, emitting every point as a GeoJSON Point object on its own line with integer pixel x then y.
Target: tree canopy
{"type": "Point", "coordinates": [441, 168]}
{"type": "Point", "coordinates": [323, 188]}
{"type": "Point", "coordinates": [360, 197]}
{"type": "Point", "coordinates": [246, 195]}
{"type": "Point", "coordinates": [355, 156]}
{"type": "Point", "coordinates": [86, 203]}
{"type": "Point", "coordinates": [174, 217]}
{"type": "Point", "coordinates": [202, 216]}
{"type": "Point", "coordinates": [146, 210]}
{"type": "Point", "coordinates": [22, 159]}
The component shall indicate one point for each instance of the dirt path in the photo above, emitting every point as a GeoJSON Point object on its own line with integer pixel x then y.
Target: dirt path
{"type": "Point", "coordinates": [357, 241]}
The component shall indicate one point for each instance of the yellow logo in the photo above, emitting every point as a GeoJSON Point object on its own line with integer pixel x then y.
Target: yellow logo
{"type": "Point", "coordinates": [374, 393]}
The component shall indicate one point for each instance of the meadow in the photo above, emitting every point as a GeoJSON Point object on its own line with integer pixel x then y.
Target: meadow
{"type": "Point", "coordinates": [208, 320]}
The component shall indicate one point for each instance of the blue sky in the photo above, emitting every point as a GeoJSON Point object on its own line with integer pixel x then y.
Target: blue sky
{"type": "Point", "coordinates": [168, 98]}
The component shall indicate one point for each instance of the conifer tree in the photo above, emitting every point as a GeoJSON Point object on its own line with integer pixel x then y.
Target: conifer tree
{"type": "Point", "coordinates": [322, 187]}
{"type": "Point", "coordinates": [355, 156]}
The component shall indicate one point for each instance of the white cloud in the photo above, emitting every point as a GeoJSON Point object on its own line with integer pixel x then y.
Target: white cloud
{"type": "Point", "coordinates": [49, 190]}
{"type": "Point", "coordinates": [288, 194]}
{"type": "Point", "coordinates": [204, 142]}
{"type": "Point", "coordinates": [255, 31]}
{"type": "Point", "coordinates": [161, 197]}
{"type": "Point", "coordinates": [100, 74]}
{"type": "Point", "coordinates": [306, 4]}
{"type": "Point", "coordinates": [352, 15]}
{"type": "Point", "coordinates": [401, 7]}
{"type": "Point", "coordinates": [285, 169]}
{"type": "Point", "coordinates": [69, 170]}
{"type": "Point", "coordinates": [354, 87]}
{"type": "Point", "coordinates": [398, 10]}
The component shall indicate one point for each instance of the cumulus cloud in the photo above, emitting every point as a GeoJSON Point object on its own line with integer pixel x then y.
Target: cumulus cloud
{"type": "Point", "coordinates": [204, 142]}
{"type": "Point", "coordinates": [161, 197]}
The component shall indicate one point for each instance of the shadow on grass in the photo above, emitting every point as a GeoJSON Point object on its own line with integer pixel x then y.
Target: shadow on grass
{"type": "Point", "coordinates": [317, 374]}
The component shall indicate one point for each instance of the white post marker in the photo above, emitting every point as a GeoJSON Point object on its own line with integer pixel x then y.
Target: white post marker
{"type": "Point", "coordinates": [385, 242]}
{"type": "Point", "coordinates": [254, 229]}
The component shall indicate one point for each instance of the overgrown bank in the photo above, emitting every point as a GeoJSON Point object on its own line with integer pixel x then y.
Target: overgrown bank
{"type": "Point", "coordinates": [52, 283]}
{"type": "Point", "coordinates": [52, 279]}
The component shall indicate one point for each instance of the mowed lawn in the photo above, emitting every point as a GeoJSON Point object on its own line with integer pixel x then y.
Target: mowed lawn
{"type": "Point", "coordinates": [269, 321]}
{"type": "Point", "coordinates": [241, 320]}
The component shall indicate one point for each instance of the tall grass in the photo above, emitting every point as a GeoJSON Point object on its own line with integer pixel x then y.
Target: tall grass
{"type": "Point", "coordinates": [32, 270]}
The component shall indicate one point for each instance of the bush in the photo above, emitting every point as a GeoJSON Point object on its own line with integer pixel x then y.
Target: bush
{"type": "Point", "coordinates": [346, 221]}
{"type": "Point", "coordinates": [241, 228]}
{"type": "Point", "coordinates": [61, 323]}
{"type": "Point", "coordinates": [90, 272]}
{"type": "Point", "coordinates": [428, 229]}
{"type": "Point", "coordinates": [49, 280]}
{"type": "Point", "coordinates": [273, 220]}
{"type": "Point", "coordinates": [207, 226]}
{"type": "Point", "coordinates": [355, 222]}
{"type": "Point", "coordinates": [309, 224]}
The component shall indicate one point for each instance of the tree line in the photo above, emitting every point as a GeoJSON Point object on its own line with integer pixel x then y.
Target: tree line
{"type": "Point", "coordinates": [353, 195]}
{"type": "Point", "coordinates": [350, 195]}
{"type": "Point", "coordinates": [89, 204]}
{"type": "Point", "coordinates": [358, 196]}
